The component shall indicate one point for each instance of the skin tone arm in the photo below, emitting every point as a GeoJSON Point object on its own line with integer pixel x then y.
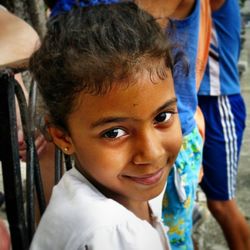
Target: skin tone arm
{"type": "Point", "coordinates": [15, 29]}
{"type": "Point", "coordinates": [183, 10]}
{"type": "Point", "coordinates": [14, 34]}
{"type": "Point", "coordinates": [216, 4]}
{"type": "Point", "coordinates": [164, 9]}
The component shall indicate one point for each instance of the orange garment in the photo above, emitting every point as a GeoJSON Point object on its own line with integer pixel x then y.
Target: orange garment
{"type": "Point", "coordinates": [204, 40]}
{"type": "Point", "coordinates": [202, 55]}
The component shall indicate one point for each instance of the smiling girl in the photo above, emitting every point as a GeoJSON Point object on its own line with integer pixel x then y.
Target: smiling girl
{"type": "Point", "coordinates": [105, 74]}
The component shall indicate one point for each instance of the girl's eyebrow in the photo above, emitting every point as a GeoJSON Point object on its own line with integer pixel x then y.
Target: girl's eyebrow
{"type": "Point", "coordinates": [167, 104]}
{"type": "Point", "coordinates": [112, 119]}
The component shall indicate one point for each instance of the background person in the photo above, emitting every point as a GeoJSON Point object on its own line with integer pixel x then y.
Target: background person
{"type": "Point", "coordinates": [224, 112]}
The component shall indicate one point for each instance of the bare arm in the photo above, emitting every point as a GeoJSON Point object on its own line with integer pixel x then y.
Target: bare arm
{"type": "Point", "coordinates": [178, 9]}
{"type": "Point", "coordinates": [184, 9]}
{"type": "Point", "coordinates": [18, 40]}
{"type": "Point", "coordinates": [216, 4]}
{"type": "Point", "coordinates": [164, 9]}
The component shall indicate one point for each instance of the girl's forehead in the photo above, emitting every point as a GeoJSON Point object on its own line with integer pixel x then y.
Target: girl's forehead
{"type": "Point", "coordinates": [133, 81]}
{"type": "Point", "coordinates": [143, 89]}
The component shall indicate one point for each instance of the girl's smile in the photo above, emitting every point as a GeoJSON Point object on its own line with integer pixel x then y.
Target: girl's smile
{"type": "Point", "coordinates": [147, 179]}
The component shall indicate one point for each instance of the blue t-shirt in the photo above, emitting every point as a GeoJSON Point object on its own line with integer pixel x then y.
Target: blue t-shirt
{"type": "Point", "coordinates": [185, 35]}
{"type": "Point", "coordinates": [221, 75]}
{"type": "Point", "coordinates": [66, 5]}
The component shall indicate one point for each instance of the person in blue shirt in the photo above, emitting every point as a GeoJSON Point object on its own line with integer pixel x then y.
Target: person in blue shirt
{"type": "Point", "coordinates": [225, 114]}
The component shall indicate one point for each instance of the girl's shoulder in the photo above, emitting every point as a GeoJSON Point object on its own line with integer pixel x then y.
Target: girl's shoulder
{"type": "Point", "coordinates": [80, 201]}
{"type": "Point", "coordinates": [79, 216]}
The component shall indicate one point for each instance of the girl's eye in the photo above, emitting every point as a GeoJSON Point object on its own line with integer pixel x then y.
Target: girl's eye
{"type": "Point", "coordinates": [163, 117]}
{"type": "Point", "coordinates": [114, 133]}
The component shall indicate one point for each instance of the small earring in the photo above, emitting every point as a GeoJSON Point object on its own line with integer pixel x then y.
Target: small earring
{"type": "Point", "coordinates": [66, 149]}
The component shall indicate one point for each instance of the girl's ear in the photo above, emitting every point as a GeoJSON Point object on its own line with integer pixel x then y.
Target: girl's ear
{"type": "Point", "coordinates": [61, 139]}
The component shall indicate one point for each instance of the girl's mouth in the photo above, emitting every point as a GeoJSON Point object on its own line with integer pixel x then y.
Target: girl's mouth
{"type": "Point", "coordinates": [148, 179]}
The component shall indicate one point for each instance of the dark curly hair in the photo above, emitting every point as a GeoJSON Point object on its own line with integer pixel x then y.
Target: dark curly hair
{"type": "Point", "coordinates": [91, 49]}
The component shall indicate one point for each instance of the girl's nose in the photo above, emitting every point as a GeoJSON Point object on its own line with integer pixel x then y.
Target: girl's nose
{"type": "Point", "coordinates": [148, 148]}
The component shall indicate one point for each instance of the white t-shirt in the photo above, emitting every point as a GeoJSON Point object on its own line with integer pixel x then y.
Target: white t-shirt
{"type": "Point", "coordinates": [79, 217]}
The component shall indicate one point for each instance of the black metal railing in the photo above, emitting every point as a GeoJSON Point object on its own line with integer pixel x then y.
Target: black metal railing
{"type": "Point", "coordinates": [20, 209]}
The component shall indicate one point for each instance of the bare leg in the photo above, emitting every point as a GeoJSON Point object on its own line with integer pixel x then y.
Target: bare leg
{"type": "Point", "coordinates": [233, 224]}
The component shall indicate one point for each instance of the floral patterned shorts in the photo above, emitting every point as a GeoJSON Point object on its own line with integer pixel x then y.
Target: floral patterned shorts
{"type": "Point", "coordinates": [177, 213]}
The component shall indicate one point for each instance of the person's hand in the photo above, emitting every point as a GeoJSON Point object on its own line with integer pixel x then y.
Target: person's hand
{"type": "Point", "coordinates": [40, 144]}
{"type": "Point", "coordinates": [4, 237]}
{"type": "Point", "coordinates": [40, 141]}
{"type": "Point", "coordinates": [201, 174]}
{"type": "Point", "coordinates": [199, 118]}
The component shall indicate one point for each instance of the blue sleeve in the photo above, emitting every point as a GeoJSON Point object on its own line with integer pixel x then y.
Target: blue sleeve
{"type": "Point", "coordinates": [66, 5]}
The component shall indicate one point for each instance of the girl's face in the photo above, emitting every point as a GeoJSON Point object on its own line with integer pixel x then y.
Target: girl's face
{"type": "Point", "coordinates": [126, 141]}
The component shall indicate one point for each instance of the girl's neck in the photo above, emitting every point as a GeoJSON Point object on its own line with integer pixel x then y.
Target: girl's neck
{"type": "Point", "coordinates": [140, 209]}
